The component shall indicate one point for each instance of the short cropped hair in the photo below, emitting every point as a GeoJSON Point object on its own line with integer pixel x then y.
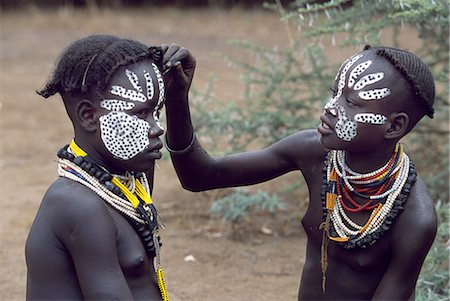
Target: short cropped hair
{"type": "Point", "coordinates": [90, 62]}
{"type": "Point", "coordinates": [414, 71]}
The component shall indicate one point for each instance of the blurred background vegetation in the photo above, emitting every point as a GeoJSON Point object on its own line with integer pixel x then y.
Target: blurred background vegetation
{"type": "Point", "coordinates": [15, 4]}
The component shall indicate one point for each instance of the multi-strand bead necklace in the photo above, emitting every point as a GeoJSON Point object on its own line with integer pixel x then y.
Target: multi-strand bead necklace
{"type": "Point", "coordinates": [129, 194]}
{"type": "Point", "coordinates": [382, 192]}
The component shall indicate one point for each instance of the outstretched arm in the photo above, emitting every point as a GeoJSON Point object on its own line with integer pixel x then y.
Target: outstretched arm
{"type": "Point", "coordinates": [195, 168]}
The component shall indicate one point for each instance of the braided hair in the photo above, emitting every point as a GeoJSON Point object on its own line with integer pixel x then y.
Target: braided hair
{"type": "Point", "coordinates": [90, 62]}
{"type": "Point", "coordinates": [414, 71]}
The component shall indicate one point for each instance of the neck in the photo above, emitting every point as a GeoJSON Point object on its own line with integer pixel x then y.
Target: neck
{"type": "Point", "coordinates": [370, 160]}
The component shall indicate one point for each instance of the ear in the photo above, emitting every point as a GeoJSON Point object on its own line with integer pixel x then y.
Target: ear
{"type": "Point", "coordinates": [398, 125]}
{"type": "Point", "coordinates": [86, 113]}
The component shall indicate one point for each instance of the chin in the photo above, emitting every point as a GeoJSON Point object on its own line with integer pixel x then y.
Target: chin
{"type": "Point", "coordinates": [332, 144]}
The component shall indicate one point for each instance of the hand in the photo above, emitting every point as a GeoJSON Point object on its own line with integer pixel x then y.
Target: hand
{"type": "Point", "coordinates": [178, 70]}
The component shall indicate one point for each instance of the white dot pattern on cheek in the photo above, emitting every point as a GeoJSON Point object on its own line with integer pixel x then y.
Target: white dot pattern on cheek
{"type": "Point", "coordinates": [345, 128]}
{"type": "Point", "coordinates": [124, 136]}
{"type": "Point", "coordinates": [132, 95]}
{"type": "Point", "coordinates": [368, 80]}
{"type": "Point", "coordinates": [134, 80]}
{"type": "Point", "coordinates": [374, 94]}
{"type": "Point", "coordinates": [357, 71]}
{"type": "Point", "coordinates": [116, 105]}
{"type": "Point", "coordinates": [370, 118]}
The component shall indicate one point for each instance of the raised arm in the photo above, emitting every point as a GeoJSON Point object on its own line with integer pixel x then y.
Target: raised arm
{"type": "Point", "coordinates": [199, 171]}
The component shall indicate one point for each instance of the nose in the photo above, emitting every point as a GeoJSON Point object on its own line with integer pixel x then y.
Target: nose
{"type": "Point", "coordinates": [156, 131]}
{"type": "Point", "coordinates": [331, 107]}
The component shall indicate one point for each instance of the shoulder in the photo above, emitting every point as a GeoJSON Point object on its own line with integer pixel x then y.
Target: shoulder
{"type": "Point", "coordinates": [71, 205]}
{"type": "Point", "coordinates": [418, 220]}
{"type": "Point", "coordinates": [303, 149]}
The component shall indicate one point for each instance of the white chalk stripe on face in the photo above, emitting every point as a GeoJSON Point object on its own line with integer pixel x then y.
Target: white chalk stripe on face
{"type": "Point", "coordinates": [368, 80]}
{"type": "Point", "coordinates": [357, 72]}
{"type": "Point", "coordinates": [370, 118]}
{"type": "Point", "coordinates": [128, 94]}
{"type": "Point", "coordinates": [374, 94]}
{"type": "Point", "coordinates": [116, 105]}
{"type": "Point", "coordinates": [341, 84]}
{"type": "Point", "coordinates": [160, 85]}
{"type": "Point", "coordinates": [149, 83]}
{"type": "Point", "coordinates": [134, 80]}
{"type": "Point", "coordinates": [155, 117]}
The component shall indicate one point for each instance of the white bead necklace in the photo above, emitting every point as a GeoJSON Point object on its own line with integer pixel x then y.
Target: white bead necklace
{"type": "Point", "coordinates": [344, 226]}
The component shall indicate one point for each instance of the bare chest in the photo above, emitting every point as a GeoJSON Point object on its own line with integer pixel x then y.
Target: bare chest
{"type": "Point", "coordinates": [132, 256]}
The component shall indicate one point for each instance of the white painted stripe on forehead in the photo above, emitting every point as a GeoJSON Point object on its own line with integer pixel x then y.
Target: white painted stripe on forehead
{"type": "Point", "coordinates": [357, 72]}
{"type": "Point", "coordinates": [116, 105]}
{"type": "Point", "coordinates": [149, 83]}
{"type": "Point", "coordinates": [134, 80]}
{"type": "Point", "coordinates": [374, 94]}
{"type": "Point", "coordinates": [128, 94]}
{"type": "Point", "coordinates": [160, 85]}
{"type": "Point", "coordinates": [368, 80]}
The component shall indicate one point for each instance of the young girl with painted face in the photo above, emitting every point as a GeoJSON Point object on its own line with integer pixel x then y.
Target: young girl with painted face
{"type": "Point", "coordinates": [370, 220]}
{"type": "Point", "coordinates": [95, 235]}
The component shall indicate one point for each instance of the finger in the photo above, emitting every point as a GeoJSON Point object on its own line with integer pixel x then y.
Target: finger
{"type": "Point", "coordinates": [184, 56]}
{"type": "Point", "coordinates": [167, 59]}
{"type": "Point", "coordinates": [164, 47]}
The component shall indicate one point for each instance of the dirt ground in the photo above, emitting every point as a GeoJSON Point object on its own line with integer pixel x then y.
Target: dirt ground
{"type": "Point", "coordinates": [260, 267]}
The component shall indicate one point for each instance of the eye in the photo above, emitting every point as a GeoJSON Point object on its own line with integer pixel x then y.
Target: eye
{"type": "Point", "coordinates": [333, 92]}
{"type": "Point", "coordinates": [142, 114]}
{"type": "Point", "coordinates": [350, 102]}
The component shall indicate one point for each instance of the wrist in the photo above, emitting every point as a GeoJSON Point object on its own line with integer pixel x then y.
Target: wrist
{"type": "Point", "coordinates": [183, 151]}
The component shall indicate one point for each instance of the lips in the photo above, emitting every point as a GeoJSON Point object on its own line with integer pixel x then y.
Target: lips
{"type": "Point", "coordinates": [325, 126]}
{"type": "Point", "coordinates": [155, 149]}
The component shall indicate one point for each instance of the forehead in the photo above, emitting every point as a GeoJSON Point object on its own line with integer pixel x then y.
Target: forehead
{"type": "Point", "coordinates": [138, 68]}
{"type": "Point", "coordinates": [377, 64]}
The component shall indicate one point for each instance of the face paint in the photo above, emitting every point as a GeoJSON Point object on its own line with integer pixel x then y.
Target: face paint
{"type": "Point", "coordinates": [370, 118]}
{"type": "Point", "coordinates": [116, 105]}
{"type": "Point", "coordinates": [161, 96]}
{"type": "Point", "coordinates": [357, 71]}
{"type": "Point", "coordinates": [368, 80]}
{"type": "Point", "coordinates": [374, 94]}
{"type": "Point", "coordinates": [346, 128]}
{"type": "Point", "coordinates": [123, 135]}
{"type": "Point", "coordinates": [341, 83]}
{"type": "Point", "coordinates": [128, 94]}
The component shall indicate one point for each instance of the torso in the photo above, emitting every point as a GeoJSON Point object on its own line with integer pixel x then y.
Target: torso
{"type": "Point", "coordinates": [51, 272]}
{"type": "Point", "coordinates": [351, 274]}
{"type": "Point", "coordinates": [346, 268]}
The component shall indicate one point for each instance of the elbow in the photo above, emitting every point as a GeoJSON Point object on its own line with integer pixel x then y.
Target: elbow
{"type": "Point", "coordinates": [191, 185]}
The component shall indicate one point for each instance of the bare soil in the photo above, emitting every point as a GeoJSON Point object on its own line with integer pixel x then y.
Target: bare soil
{"type": "Point", "coordinates": [201, 260]}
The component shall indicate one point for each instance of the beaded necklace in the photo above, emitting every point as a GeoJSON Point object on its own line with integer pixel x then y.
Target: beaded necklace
{"type": "Point", "coordinates": [128, 194]}
{"type": "Point", "coordinates": [384, 191]}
